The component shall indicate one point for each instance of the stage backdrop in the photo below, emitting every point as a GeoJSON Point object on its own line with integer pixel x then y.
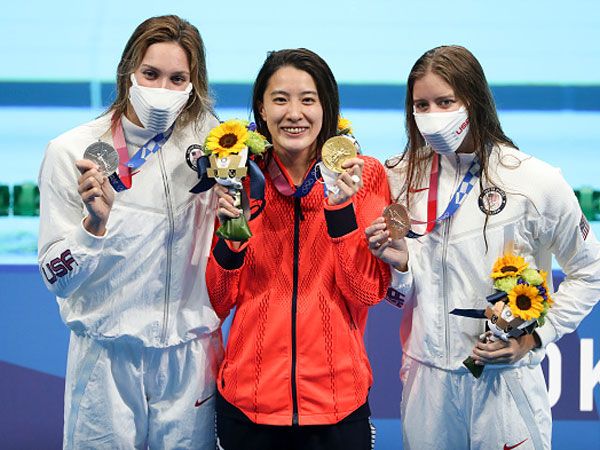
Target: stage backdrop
{"type": "Point", "coordinates": [59, 59]}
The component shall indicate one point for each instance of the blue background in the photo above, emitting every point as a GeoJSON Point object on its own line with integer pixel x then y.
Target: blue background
{"type": "Point", "coordinates": [542, 59]}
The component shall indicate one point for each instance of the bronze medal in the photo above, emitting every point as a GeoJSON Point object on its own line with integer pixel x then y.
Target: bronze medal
{"type": "Point", "coordinates": [104, 155]}
{"type": "Point", "coordinates": [335, 151]}
{"type": "Point", "coordinates": [397, 220]}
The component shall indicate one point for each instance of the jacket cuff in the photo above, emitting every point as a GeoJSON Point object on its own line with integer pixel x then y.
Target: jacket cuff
{"type": "Point", "coordinates": [401, 281]}
{"type": "Point", "coordinates": [340, 219]}
{"type": "Point", "coordinates": [227, 257]}
{"type": "Point", "coordinates": [547, 333]}
{"type": "Point", "coordinates": [91, 242]}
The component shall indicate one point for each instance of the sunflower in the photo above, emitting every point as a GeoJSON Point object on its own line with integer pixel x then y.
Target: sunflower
{"type": "Point", "coordinates": [226, 139]}
{"type": "Point", "coordinates": [508, 266]}
{"type": "Point", "coordinates": [344, 126]}
{"type": "Point", "coordinates": [525, 302]}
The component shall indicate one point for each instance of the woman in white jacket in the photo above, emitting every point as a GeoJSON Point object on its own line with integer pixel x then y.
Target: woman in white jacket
{"type": "Point", "coordinates": [472, 196]}
{"type": "Point", "coordinates": [127, 267]}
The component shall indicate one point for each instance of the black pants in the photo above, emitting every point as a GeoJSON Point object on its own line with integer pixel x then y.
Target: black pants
{"type": "Point", "coordinates": [355, 432]}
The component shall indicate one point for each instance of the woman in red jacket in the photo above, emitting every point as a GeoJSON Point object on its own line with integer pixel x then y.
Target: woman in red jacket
{"type": "Point", "coordinates": [296, 373]}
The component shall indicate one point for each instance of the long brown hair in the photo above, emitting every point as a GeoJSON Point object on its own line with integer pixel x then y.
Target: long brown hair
{"type": "Point", "coordinates": [460, 69]}
{"type": "Point", "coordinates": [165, 29]}
{"type": "Point", "coordinates": [317, 68]}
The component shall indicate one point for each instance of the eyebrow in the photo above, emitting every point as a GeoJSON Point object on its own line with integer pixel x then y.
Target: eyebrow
{"type": "Point", "coordinates": [441, 97]}
{"type": "Point", "coordinates": [282, 92]}
{"type": "Point", "coordinates": [149, 66]}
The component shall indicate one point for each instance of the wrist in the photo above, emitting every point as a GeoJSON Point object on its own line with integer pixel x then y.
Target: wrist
{"type": "Point", "coordinates": [95, 227]}
{"type": "Point", "coordinates": [401, 267]}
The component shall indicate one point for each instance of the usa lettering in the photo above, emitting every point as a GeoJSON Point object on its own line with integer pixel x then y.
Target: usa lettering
{"type": "Point", "coordinates": [59, 267]}
{"type": "Point", "coordinates": [462, 127]}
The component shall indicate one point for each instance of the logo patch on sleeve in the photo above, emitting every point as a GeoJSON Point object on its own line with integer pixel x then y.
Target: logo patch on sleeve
{"type": "Point", "coordinates": [59, 267]}
{"type": "Point", "coordinates": [584, 227]}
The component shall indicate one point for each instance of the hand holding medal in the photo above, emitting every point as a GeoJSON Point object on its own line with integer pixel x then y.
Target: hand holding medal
{"type": "Point", "coordinates": [99, 161]}
{"type": "Point", "coordinates": [340, 168]}
{"type": "Point", "coordinates": [385, 236]}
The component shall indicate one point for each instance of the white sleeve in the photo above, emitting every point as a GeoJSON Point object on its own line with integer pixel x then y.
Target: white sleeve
{"type": "Point", "coordinates": [67, 253]}
{"type": "Point", "coordinates": [402, 287]}
{"type": "Point", "coordinates": [567, 234]}
{"type": "Point", "coordinates": [401, 282]}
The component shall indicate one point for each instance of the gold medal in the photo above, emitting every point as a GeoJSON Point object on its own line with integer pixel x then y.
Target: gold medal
{"type": "Point", "coordinates": [397, 220]}
{"type": "Point", "coordinates": [335, 151]}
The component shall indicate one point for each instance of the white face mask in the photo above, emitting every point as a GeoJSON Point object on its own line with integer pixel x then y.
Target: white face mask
{"type": "Point", "coordinates": [157, 108]}
{"type": "Point", "coordinates": [443, 131]}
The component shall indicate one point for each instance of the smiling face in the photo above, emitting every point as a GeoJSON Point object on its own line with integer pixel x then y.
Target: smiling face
{"type": "Point", "coordinates": [293, 113]}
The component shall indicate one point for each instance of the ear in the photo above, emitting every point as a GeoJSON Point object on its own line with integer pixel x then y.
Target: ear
{"type": "Point", "coordinates": [261, 111]}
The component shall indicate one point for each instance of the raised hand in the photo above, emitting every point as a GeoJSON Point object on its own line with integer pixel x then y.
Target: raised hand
{"type": "Point", "coordinates": [391, 251]}
{"type": "Point", "coordinates": [97, 195]}
{"type": "Point", "coordinates": [226, 208]}
{"type": "Point", "coordinates": [349, 182]}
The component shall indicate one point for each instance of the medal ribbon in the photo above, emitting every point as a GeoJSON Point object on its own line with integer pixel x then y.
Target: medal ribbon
{"type": "Point", "coordinates": [395, 297]}
{"type": "Point", "coordinates": [457, 199]}
{"type": "Point", "coordinates": [283, 182]}
{"type": "Point", "coordinates": [121, 180]}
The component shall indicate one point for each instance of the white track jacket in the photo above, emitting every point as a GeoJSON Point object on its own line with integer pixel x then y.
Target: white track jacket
{"type": "Point", "coordinates": [535, 214]}
{"type": "Point", "coordinates": [144, 280]}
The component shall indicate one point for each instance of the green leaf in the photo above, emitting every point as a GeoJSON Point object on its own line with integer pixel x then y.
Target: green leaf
{"type": "Point", "coordinates": [475, 369]}
{"type": "Point", "coordinates": [235, 229]}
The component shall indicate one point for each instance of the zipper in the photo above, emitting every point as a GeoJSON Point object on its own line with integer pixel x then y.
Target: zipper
{"type": "Point", "coordinates": [298, 216]}
{"type": "Point", "coordinates": [445, 234]}
{"type": "Point", "coordinates": [170, 234]}
{"type": "Point", "coordinates": [445, 239]}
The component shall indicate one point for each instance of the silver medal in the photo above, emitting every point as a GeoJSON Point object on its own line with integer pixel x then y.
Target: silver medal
{"type": "Point", "coordinates": [104, 155]}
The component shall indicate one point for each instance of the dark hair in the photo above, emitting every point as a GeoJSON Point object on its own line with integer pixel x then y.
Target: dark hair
{"type": "Point", "coordinates": [317, 68]}
{"type": "Point", "coordinates": [165, 29]}
{"type": "Point", "coordinates": [460, 69]}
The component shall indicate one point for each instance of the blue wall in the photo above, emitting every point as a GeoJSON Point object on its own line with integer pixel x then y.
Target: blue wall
{"type": "Point", "coordinates": [33, 360]}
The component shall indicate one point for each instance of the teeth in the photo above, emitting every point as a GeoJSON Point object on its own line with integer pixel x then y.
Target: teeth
{"type": "Point", "coordinates": [295, 130]}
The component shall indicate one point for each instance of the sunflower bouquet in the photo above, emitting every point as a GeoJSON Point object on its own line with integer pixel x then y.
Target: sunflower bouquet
{"type": "Point", "coordinates": [518, 306]}
{"type": "Point", "coordinates": [226, 147]}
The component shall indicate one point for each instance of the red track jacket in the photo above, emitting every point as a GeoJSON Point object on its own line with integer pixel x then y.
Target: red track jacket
{"type": "Point", "coordinates": [302, 285]}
